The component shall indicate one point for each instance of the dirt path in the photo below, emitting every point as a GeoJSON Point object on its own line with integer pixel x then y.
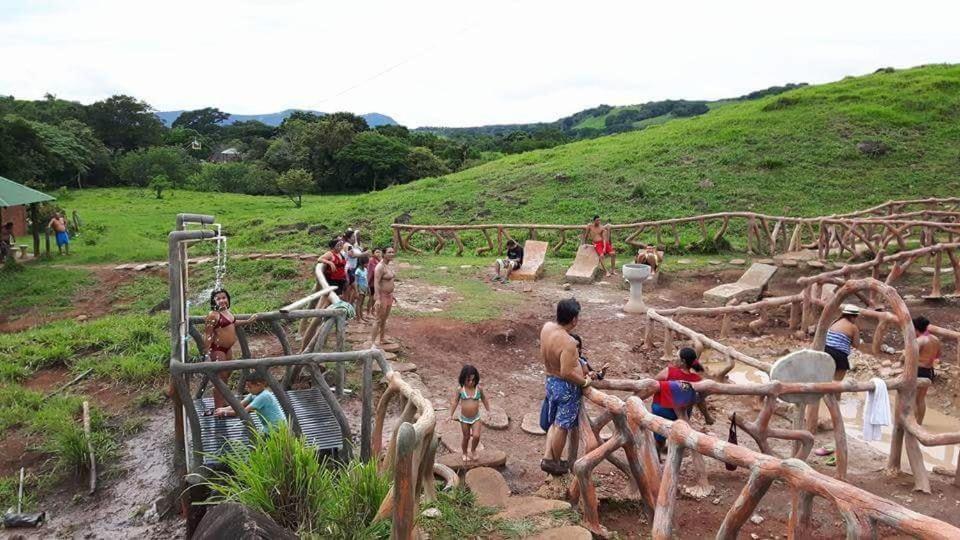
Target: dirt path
{"type": "Point", "coordinates": [130, 501]}
{"type": "Point", "coordinates": [506, 353]}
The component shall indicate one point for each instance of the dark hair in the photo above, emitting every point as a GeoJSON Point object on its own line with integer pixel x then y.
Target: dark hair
{"type": "Point", "coordinates": [579, 341]}
{"type": "Point", "coordinates": [213, 296]}
{"type": "Point", "coordinates": [8, 224]}
{"type": "Point", "coordinates": [920, 323]}
{"type": "Point", "coordinates": [363, 259]}
{"type": "Point", "coordinates": [465, 372]}
{"type": "Point", "coordinates": [333, 243]}
{"type": "Point", "coordinates": [689, 357]}
{"type": "Point", "coordinates": [567, 310]}
{"type": "Point", "coordinates": [511, 242]}
{"type": "Point", "coordinates": [595, 218]}
{"type": "Point", "coordinates": [255, 377]}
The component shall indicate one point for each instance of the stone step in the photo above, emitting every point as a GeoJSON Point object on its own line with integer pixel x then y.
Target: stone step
{"type": "Point", "coordinates": [485, 458]}
{"type": "Point", "coordinates": [488, 486]}
{"type": "Point", "coordinates": [523, 507]}
{"type": "Point", "coordinates": [495, 419]}
{"type": "Point", "coordinates": [531, 424]}
{"type": "Point", "coordinates": [451, 434]}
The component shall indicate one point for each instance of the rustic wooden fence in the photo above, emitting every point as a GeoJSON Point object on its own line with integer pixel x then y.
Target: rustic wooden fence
{"type": "Point", "coordinates": [871, 230]}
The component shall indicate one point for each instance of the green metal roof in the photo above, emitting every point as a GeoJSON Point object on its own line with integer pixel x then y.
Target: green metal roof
{"type": "Point", "coordinates": [14, 194]}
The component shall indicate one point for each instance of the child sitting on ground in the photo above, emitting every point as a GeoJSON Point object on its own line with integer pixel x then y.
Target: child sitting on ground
{"type": "Point", "coordinates": [469, 396]}
{"type": "Point", "coordinates": [360, 281]}
{"type": "Point", "coordinates": [260, 400]}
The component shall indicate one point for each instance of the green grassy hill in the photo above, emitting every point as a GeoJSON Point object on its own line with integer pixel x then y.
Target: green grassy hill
{"type": "Point", "coordinates": [794, 153]}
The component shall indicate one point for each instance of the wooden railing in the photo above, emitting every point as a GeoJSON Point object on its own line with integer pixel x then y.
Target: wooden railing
{"type": "Point", "coordinates": [410, 455]}
{"type": "Point", "coordinates": [873, 229]}
{"type": "Point", "coordinates": [862, 511]}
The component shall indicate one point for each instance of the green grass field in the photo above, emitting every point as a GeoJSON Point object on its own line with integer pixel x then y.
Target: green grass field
{"type": "Point", "coordinates": [792, 154]}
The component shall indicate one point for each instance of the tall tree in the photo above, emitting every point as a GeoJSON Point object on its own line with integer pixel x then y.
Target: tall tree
{"type": "Point", "coordinates": [206, 120]}
{"type": "Point", "coordinates": [125, 123]}
{"type": "Point", "coordinates": [372, 159]}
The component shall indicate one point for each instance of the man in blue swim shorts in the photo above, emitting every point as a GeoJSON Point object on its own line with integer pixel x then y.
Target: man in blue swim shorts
{"type": "Point", "coordinates": [59, 225]}
{"type": "Point", "coordinates": [565, 380]}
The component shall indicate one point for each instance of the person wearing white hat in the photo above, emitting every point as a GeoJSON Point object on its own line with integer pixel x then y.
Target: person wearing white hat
{"type": "Point", "coordinates": [843, 336]}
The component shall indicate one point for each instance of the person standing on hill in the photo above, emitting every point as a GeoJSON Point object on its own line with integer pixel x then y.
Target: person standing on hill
{"type": "Point", "coordinates": [564, 384]}
{"type": "Point", "coordinates": [371, 272]}
{"type": "Point", "coordinates": [929, 346]}
{"type": "Point", "coordinates": [59, 225]}
{"type": "Point", "coordinates": [599, 235]}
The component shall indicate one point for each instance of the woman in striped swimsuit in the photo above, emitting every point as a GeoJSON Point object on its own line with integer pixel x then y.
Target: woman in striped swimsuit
{"type": "Point", "coordinates": [842, 336]}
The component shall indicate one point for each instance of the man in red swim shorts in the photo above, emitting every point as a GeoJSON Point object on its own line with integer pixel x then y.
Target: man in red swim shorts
{"type": "Point", "coordinates": [599, 235]}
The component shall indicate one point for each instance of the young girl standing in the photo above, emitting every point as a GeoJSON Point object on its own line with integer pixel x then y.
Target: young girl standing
{"type": "Point", "coordinates": [361, 283]}
{"type": "Point", "coordinates": [468, 397]}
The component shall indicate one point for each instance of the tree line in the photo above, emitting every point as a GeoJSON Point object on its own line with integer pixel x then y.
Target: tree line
{"type": "Point", "coordinates": [119, 141]}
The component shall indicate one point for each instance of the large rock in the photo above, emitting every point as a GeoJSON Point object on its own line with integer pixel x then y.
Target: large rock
{"type": "Point", "coordinates": [531, 424]}
{"type": "Point", "coordinates": [523, 507]}
{"type": "Point", "coordinates": [232, 521]}
{"type": "Point", "coordinates": [488, 486]}
{"type": "Point", "coordinates": [495, 419]}
{"type": "Point", "coordinates": [568, 532]}
{"type": "Point", "coordinates": [803, 366]}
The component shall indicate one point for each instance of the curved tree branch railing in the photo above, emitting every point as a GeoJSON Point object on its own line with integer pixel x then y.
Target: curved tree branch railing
{"type": "Point", "coordinates": [634, 426]}
{"type": "Point", "coordinates": [874, 229]}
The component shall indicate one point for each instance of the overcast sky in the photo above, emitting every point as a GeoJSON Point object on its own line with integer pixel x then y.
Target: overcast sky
{"type": "Point", "coordinates": [452, 62]}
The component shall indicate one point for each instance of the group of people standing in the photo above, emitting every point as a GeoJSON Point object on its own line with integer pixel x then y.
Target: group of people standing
{"type": "Point", "coordinates": [363, 278]}
{"type": "Point", "coordinates": [57, 224]}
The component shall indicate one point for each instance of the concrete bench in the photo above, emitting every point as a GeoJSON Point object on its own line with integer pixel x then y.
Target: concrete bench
{"type": "Point", "coordinates": [746, 289]}
{"type": "Point", "coordinates": [534, 253]}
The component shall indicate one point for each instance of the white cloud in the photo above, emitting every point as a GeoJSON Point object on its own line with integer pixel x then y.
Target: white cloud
{"type": "Point", "coordinates": [452, 63]}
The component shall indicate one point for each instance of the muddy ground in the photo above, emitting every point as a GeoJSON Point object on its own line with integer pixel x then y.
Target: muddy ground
{"type": "Point", "coordinates": [130, 502]}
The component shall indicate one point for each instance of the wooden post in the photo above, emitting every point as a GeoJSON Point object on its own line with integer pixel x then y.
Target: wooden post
{"type": "Point", "coordinates": [404, 500]}
{"type": "Point", "coordinates": [667, 495]}
{"type": "Point", "coordinates": [35, 220]}
{"type": "Point", "coordinates": [754, 490]}
{"type": "Point", "coordinates": [89, 436]}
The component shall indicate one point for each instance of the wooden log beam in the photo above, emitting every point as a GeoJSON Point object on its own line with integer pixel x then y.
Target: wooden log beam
{"type": "Point", "coordinates": [754, 490]}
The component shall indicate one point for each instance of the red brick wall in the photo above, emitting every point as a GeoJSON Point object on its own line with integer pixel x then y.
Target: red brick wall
{"type": "Point", "coordinates": [18, 215]}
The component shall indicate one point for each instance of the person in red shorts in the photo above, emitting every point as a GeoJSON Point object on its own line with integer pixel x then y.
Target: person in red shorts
{"type": "Point", "coordinates": [599, 235]}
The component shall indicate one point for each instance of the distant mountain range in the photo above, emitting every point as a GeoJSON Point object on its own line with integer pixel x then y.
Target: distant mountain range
{"type": "Point", "coordinates": [274, 119]}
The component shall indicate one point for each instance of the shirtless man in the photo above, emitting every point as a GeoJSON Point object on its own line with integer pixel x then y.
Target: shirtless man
{"type": "Point", "coordinates": [929, 345]}
{"type": "Point", "coordinates": [565, 381]}
{"type": "Point", "coordinates": [383, 285]}
{"type": "Point", "coordinates": [599, 235]}
{"type": "Point", "coordinates": [59, 226]}
{"type": "Point", "coordinates": [649, 257]}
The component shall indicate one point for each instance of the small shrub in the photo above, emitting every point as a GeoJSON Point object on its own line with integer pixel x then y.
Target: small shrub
{"type": "Point", "coordinates": [639, 192]}
{"type": "Point", "coordinates": [781, 103]}
{"type": "Point", "coordinates": [710, 246]}
{"type": "Point", "coordinates": [284, 273]}
{"type": "Point", "coordinates": [770, 164]}
{"type": "Point", "coordinates": [282, 477]}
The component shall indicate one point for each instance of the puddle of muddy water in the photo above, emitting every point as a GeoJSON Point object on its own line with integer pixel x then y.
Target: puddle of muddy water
{"type": "Point", "coordinates": [851, 407]}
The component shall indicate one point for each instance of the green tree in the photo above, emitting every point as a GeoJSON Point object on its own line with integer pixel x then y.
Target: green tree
{"type": "Point", "coordinates": [138, 167]}
{"type": "Point", "coordinates": [294, 183]}
{"type": "Point", "coordinates": [206, 120]}
{"type": "Point", "coordinates": [125, 123]}
{"type": "Point", "coordinates": [371, 158]}
{"type": "Point", "coordinates": [421, 163]}
{"type": "Point", "coordinates": [159, 183]}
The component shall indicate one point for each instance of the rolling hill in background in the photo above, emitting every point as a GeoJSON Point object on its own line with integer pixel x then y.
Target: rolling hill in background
{"type": "Point", "coordinates": [274, 119]}
{"type": "Point", "coordinates": [811, 151]}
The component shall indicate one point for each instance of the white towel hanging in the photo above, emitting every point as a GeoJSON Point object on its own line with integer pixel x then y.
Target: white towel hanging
{"type": "Point", "coordinates": [876, 413]}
